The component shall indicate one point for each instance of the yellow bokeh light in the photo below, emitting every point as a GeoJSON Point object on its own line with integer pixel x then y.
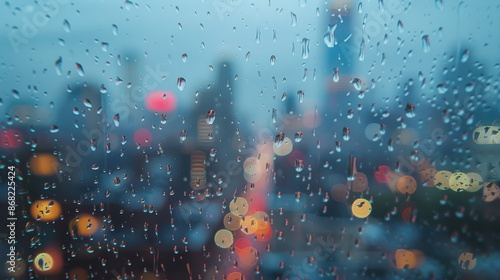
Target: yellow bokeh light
{"type": "Point", "coordinates": [441, 179]}
{"type": "Point", "coordinates": [45, 210]}
{"type": "Point", "coordinates": [44, 165]}
{"type": "Point", "coordinates": [238, 206]}
{"type": "Point", "coordinates": [361, 208]}
{"type": "Point", "coordinates": [459, 181]}
{"type": "Point", "coordinates": [285, 148]}
{"type": "Point", "coordinates": [224, 238]}
{"type": "Point", "coordinates": [86, 225]}
{"type": "Point", "coordinates": [43, 262]}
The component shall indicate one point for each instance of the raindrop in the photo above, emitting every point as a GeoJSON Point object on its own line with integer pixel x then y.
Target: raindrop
{"type": "Point", "coordinates": [184, 57]}
{"type": "Point", "coordinates": [272, 59]}
{"type": "Point", "coordinates": [79, 69]}
{"type": "Point", "coordinates": [213, 152]}
{"type": "Point", "coordinates": [350, 114]}
{"type": "Point", "coordinates": [336, 76]}
{"type": "Point", "coordinates": [305, 48]}
{"type": "Point", "coordinates": [116, 120]}
{"type": "Point", "coordinates": [426, 44]}
{"type": "Point", "coordinates": [210, 117]}
{"type": "Point", "coordinates": [298, 136]}
{"type": "Point", "coordinates": [183, 136]}
{"type": "Point", "coordinates": [67, 26]}
{"type": "Point", "coordinates": [470, 86]}
{"type": "Point", "coordinates": [274, 116]}
{"type": "Point", "coordinates": [346, 133]}
{"type": "Point", "coordinates": [15, 94]}
{"type": "Point", "coordinates": [87, 103]}
{"type": "Point", "coordinates": [257, 37]}
{"type": "Point", "coordinates": [294, 19]}
{"type": "Point", "coordinates": [115, 29]}
{"type": "Point", "coordinates": [278, 140]}
{"type": "Point", "coordinates": [299, 165]}
{"type": "Point", "coordinates": [439, 4]}
{"type": "Point", "coordinates": [442, 88]}
{"type": "Point", "coordinates": [181, 82]}
{"type": "Point", "coordinates": [400, 26]}
{"type": "Point", "coordinates": [381, 5]}
{"type": "Point", "coordinates": [410, 110]}
{"type": "Point", "coordinates": [54, 129]}
{"type": "Point", "coordinates": [356, 83]}
{"type": "Point", "coordinates": [301, 96]}
{"type": "Point", "coordinates": [328, 38]}
{"type": "Point", "coordinates": [465, 56]}
{"type": "Point", "coordinates": [362, 49]}
{"type": "Point", "coordinates": [58, 66]}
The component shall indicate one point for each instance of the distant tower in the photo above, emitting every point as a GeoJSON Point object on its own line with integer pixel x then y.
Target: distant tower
{"type": "Point", "coordinates": [216, 140]}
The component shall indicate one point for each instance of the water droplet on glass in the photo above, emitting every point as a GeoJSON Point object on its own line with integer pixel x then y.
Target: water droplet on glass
{"type": "Point", "coordinates": [116, 120]}
{"type": "Point", "coordinates": [384, 59]}
{"type": "Point", "coordinates": [15, 94]}
{"type": "Point", "coordinates": [87, 103]}
{"type": "Point", "coordinates": [58, 66]}
{"type": "Point", "coordinates": [442, 88]}
{"type": "Point", "coordinates": [272, 59]}
{"type": "Point", "coordinates": [426, 44]}
{"type": "Point", "coordinates": [400, 26]}
{"type": "Point", "coordinates": [301, 96]}
{"type": "Point", "coordinates": [299, 165]}
{"type": "Point", "coordinates": [115, 29]}
{"type": "Point", "coordinates": [104, 46]}
{"type": "Point", "coordinates": [362, 49]}
{"type": "Point", "coordinates": [381, 5]}
{"type": "Point", "coordinates": [274, 116]}
{"type": "Point", "coordinates": [54, 129]}
{"type": "Point", "coordinates": [360, 7]}
{"type": "Point", "coordinates": [294, 19]}
{"type": "Point", "coordinates": [410, 110]}
{"type": "Point", "coordinates": [465, 56]}
{"type": "Point", "coordinates": [210, 117]}
{"type": "Point", "coordinates": [278, 140]}
{"type": "Point", "coordinates": [298, 136]}
{"type": "Point", "coordinates": [247, 56]}
{"type": "Point", "coordinates": [469, 87]}
{"type": "Point", "coordinates": [67, 26]}
{"type": "Point", "coordinates": [346, 133]}
{"type": "Point", "coordinates": [336, 76]}
{"type": "Point", "coordinates": [356, 83]}
{"type": "Point", "coordinates": [79, 69]}
{"type": "Point", "coordinates": [350, 114]}
{"type": "Point", "coordinates": [439, 4]}
{"type": "Point", "coordinates": [183, 136]}
{"type": "Point", "coordinates": [184, 57]}
{"type": "Point", "coordinates": [328, 38]}
{"type": "Point", "coordinates": [181, 82]}
{"type": "Point", "coordinates": [305, 48]}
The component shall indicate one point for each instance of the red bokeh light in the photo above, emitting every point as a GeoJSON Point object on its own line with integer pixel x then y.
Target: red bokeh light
{"type": "Point", "coordinates": [143, 137]}
{"type": "Point", "coordinates": [11, 138]}
{"type": "Point", "coordinates": [383, 174]}
{"type": "Point", "coordinates": [161, 101]}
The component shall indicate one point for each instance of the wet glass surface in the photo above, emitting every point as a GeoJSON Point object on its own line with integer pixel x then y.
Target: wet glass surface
{"type": "Point", "coordinates": [235, 139]}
